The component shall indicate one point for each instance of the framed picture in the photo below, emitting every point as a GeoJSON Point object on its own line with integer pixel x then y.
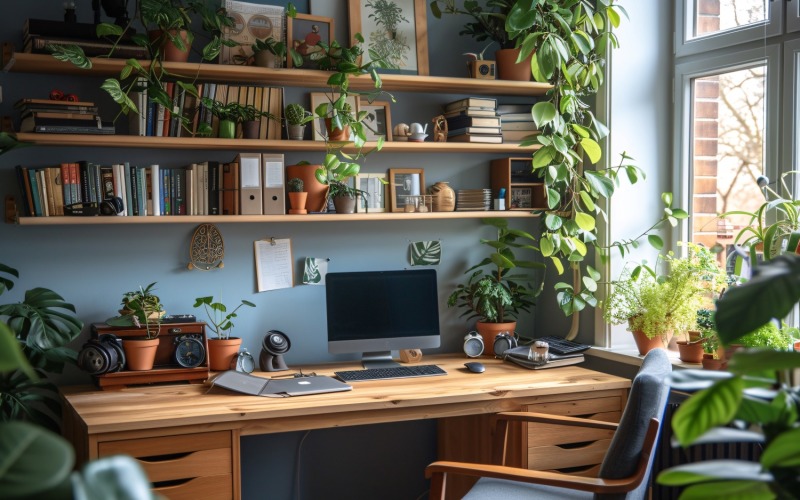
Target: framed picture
{"type": "Point", "coordinates": [405, 183]}
{"type": "Point", "coordinates": [250, 22]}
{"type": "Point", "coordinates": [521, 197]}
{"type": "Point", "coordinates": [336, 9]}
{"type": "Point", "coordinates": [375, 187]}
{"type": "Point", "coordinates": [318, 125]}
{"type": "Point", "coordinates": [396, 29]}
{"type": "Point", "coordinates": [379, 121]}
{"type": "Point", "coordinates": [304, 32]}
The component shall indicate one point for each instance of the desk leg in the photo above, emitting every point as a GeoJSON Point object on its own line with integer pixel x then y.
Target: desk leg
{"type": "Point", "coordinates": [236, 463]}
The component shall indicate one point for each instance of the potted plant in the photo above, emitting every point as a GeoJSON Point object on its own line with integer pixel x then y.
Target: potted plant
{"type": "Point", "coordinates": [337, 174]}
{"type": "Point", "coordinates": [489, 23]}
{"type": "Point", "coordinates": [316, 192]}
{"type": "Point", "coordinates": [140, 308]}
{"type": "Point", "coordinates": [232, 115]}
{"type": "Point", "coordinates": [223, 348]}
{"type": "Point", "coordinates": [40, 327]}
{"type": "Point", "coordinates": [691, 348]}
{"type": "Point", "coordinates": [297, 197]}
{"type": "Point", "coordinates": [497, 288]}
{"type": "Point", "coordinates": [266, 50]}
{"type": "Point", "coordinates": [296, 119]}
{"type": "Point", "coordinates": [656, 305]}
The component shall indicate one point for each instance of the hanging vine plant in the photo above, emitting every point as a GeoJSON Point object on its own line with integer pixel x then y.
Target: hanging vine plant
{"type": "Point", "coordinates": [569, 40]}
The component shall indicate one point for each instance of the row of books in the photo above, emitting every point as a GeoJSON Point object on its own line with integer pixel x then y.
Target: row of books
{"type": "Point", "coordinates": [38, 34]}
{"type": "Point", "coordinates": [157, 120]}
{"type": "Point", "coordinates": [60, 117]}
{"type": "Point", "coordinates": [205, 188]}
{"type": "Point", "coordinates": [482, 120]}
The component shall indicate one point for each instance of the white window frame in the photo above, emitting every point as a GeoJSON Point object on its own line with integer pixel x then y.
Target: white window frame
{"type": "Point", "coordinates": [682, 120]}
{"type": "Point", "coordinates": [684, 20]}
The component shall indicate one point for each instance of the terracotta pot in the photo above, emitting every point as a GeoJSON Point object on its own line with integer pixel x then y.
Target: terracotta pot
{"type": "Point", "coordinates": [169, 50]}
{"type": "Point", "coordinates": [140, 353]}
{"type": "Point", "coordinates": [709, 363]}
{"type": "Point", "coordinates": [317, 193]}
{"type": "Point", "coordinates": [221, 352]}
{"type": "Point", "coordinates": [264, 59]}
{"type": "Point", "coordinates": [298, 202]}
{"type": "Point", "coordinates": [490, 330]}
{"type": "Point", "coordinates": [690, 352]}
{"type": "Point", "coordinates": [509, 69]}
{"type": "Point", "coordinates": [645, 344]}
{"type": "Point", "coordinates": [344, 204]}
{"type": "Point", "coordinates": [337, 134]}
{"type": "Point", "coordinates": [250, 129]}
{"type": "Point", "coordinates": [227, 129]}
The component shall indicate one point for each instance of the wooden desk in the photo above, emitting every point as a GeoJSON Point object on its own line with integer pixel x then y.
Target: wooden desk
{"type": "Point", "coordinates": [179, 427]}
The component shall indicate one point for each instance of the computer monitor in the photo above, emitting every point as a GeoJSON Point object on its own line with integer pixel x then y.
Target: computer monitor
{"type": "Point", "coordinates": [375, 312]}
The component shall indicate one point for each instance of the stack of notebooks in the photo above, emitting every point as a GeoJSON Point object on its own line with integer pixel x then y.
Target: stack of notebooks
{"type": "Point", "coordinates": [516, 122]}
{"type": "Point", "coordinates": [61, 117]}
{"type": "Point", "coordinates": [37, 34]}
{"type": "Point", "coordinates": [473, 119]}
{"type": "Point", "coordinates": [473, 199]}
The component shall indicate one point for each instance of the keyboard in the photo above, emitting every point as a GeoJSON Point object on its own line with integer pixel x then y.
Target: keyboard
{"type": "Point", "coordinates": [390, 373]}
{"type": "Point", "coordinates": [561, 346]}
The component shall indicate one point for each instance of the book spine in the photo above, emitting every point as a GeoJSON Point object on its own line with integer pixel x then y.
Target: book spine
{"type": "Point", "coordinates": [58, 189]}
{"type": "Point", "coordinates": [35, 193]}
{"type": "Point", "coordinates": [155, 189]}
{"type": "Point", "coordinates": [213, 188]}
{"type": "Point", "coordinates": [83, 180]}
{"type": "Point", "coordinates": [41, 183]}
{"type": "Point", "coordinates": [127, 193]}
{"type": "Point", "coordinates": [25, 189]}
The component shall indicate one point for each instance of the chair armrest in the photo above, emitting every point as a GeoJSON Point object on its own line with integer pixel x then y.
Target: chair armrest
{"type": "Point", "coordinates": [546, 418]}
{"type": "Point", "coordinates": [438, 471]}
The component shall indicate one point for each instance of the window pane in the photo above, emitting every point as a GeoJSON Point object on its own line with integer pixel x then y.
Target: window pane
{"type": "Point", "coordinates": [728, 152]}
{"type": "Point", "coordinates": [713, 16]}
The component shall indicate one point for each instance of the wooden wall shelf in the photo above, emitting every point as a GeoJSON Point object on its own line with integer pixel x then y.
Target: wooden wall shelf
{"type": "Point", "coordinates": [213, 143]}
{"type": "Point", "coordinates": [220, 219]}
{"type": "Point", "coordinates": [43, 63]}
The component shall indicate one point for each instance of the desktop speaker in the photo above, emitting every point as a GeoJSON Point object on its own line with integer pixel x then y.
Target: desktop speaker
{"type": "Point", "coordinates": [102, 355]}
{"type": "Point", "coordinates": [473, 344]}
{"type": "Point", "coordinates": [503, 342]}
{"type": "Point", "coordinates": [273, 347]}
{"type": "Point", "coordinates": [410, 355]}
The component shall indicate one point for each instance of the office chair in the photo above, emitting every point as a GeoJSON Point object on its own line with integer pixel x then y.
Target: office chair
{"type": "Point", "coordinates": [625, 467]}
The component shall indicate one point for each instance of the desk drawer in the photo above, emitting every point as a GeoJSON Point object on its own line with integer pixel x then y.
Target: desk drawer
{"type": "Point", "coordinates": [175, 458]}
{"type": "Point", "coordinates": [218, 487]}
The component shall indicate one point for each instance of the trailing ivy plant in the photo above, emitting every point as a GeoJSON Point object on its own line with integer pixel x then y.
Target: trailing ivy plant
{"type": "Point", "coordinates": [569, 40]}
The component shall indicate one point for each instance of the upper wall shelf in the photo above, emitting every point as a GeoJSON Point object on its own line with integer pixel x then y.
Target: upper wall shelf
{"type": "Point", "coordinates": [43, 63]}
{"type": "Point", "coordinates": [213, 143]}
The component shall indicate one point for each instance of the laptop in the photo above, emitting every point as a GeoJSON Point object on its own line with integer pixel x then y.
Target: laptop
{"type": "Point", "coordinates": [278, 387]}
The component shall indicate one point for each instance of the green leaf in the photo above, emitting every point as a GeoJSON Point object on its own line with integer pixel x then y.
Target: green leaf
{"type": "Point", "coordinates": [546, 247]}
{"type": "Point", "coordinates": [702, 472]}
{"type": "Point", "coordinates": [667, 199]}
{"type": "Point", "coordinates": [11, 356]}
{"type": "Point", "coordinates": [543, 113]}
{"type": "Point", "coordinates": [585, 221]}
{"type": "Point", "coordinates": [763, 360]}
{"type": "Point", "coordinates": [600, 184]}
{"type": "Point", "coordinates": [782, 451]}
{"type": "Point", "coordinates": [655, 241]}
{"type": "Point", "coordinates": [70, 53]}
{"type": "Point", "coordinates": [426, 253]}
{"type": "Point", "coordinates": [708, 408]}
{"type": "Point", "coordinates": [34, 462]}
{"type": "Point", "coordinates": [588, 202]}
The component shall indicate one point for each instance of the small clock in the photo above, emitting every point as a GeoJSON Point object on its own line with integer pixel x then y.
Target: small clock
{"type": "Point", "coordinates": [189, 351]}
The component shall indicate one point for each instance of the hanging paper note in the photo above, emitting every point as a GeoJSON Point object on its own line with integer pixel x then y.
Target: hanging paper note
{"type": "Point", "coordinates": [315, 271]}
{"type": "Point", "coordinates": [274, 264]}
{"type": "Point", "coordinates": [425, 253]}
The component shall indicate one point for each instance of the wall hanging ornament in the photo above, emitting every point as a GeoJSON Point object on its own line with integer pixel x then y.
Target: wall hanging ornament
{"type": "Point", "coordinates": [207, 249]}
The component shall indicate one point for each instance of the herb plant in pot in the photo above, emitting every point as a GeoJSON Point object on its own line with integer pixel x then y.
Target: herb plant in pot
{"type": "Point", "coordinates": [297, 197]}
{"type": "Point", "coordinates": [498, 289]}
{"type": "Point", "coordinates": [337, 175]}
{"type": "Point", "coordinates": [231, 116]}
{"type": "Point", "coordinates": [140, 308]}
{"type": "Point", "coordinates": [223, 348]}
{"type": "Point", "coordinates": [690, 349]}
{"type": "Point", "coordinates": [296, 120]}
{"type": "Point", "coordinates": [269, 53]}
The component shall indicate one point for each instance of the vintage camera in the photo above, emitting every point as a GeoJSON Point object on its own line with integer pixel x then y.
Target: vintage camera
{"type": "Point", "coordinates": [481, 69]}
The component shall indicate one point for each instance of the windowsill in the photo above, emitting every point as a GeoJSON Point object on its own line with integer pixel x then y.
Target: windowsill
{"type": "Point", "coordinates": [631, 356]}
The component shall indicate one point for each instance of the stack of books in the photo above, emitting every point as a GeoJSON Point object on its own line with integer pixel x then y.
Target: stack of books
{"type": "Point", "coordinates": [37, 34]}
{"type": "Point", "coordinates": [516, 122]}
{"type": "Point", "coordinates": [60, 117]}
{"type": "Point", "coordinates": [473, 119]}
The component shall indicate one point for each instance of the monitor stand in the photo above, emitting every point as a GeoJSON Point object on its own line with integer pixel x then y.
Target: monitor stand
{"type": "Point", "coordinates": [381, 359]}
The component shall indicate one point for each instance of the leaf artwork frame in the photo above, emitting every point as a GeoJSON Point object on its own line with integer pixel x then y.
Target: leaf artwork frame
{"type": "Point", "coordinates": [314, 271]}
{"type": "Point", "coordinates": [379, 120]}
{"type": "Point", "coordinates": [425, 253]}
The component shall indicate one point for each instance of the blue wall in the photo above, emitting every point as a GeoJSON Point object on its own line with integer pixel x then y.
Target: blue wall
{"type": "Point", "coordinates": [92, 266]}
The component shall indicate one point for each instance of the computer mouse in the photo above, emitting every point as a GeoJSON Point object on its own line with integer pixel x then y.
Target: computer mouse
{"type": "Point", "coordinates": [475, 367]}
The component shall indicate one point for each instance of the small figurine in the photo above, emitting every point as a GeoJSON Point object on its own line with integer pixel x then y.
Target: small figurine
{"type": "Point", "coordinates": [400, 132]}
{"type": "Point", "coordinates": [418, 132]}
{"type": "Point", "coordinates": [439, 129]}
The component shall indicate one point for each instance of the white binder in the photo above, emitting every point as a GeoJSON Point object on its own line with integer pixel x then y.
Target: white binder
{"type": "Point", "coordinates": [250, 183]}
{"type": "Point", "coordinates": [272, 178]}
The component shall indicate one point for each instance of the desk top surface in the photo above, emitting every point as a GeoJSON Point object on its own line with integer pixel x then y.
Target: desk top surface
{"type": "Point", "coordinates": [163, 406]}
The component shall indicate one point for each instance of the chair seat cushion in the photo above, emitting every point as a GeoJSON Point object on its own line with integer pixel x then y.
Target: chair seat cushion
{"type": "Point", "coordinates": [490, 488]}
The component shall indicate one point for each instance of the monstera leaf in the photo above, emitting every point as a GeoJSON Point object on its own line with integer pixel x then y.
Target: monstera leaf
{"type": "Point", "coordinates": [426, 253]}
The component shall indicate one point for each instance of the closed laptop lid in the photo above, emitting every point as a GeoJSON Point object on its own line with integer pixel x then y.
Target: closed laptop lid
{"type": "Point", "coordinates": [300, 386]}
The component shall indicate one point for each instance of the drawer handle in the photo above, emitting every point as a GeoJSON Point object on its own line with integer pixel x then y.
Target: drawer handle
{"type": "Point", "coordinates": [163, 458]}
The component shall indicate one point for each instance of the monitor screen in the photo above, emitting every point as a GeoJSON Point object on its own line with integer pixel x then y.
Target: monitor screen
{"type": "Point", "coordinates": [375, 312]}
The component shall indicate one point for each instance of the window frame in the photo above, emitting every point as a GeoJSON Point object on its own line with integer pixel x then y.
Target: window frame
{"type": "Point", "coordinates": [684, 20]}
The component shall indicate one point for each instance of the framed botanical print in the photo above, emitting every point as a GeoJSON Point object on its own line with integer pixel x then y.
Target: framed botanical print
{"type": "Point", "coordinates": [304, 32]}
{"type": "Point", "coordinates": [397, 30]}
{"type": "Point", "coordinates": [374, 185]}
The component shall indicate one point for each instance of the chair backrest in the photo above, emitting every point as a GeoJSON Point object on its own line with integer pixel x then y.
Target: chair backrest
{"type": "Point", "coordinates": [647, 400]}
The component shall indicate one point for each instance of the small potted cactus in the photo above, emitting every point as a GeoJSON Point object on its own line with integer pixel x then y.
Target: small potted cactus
{"type": "Point", "coordinates": [297, 197]}
{"type": "Point", "coordinates": [296, 119]}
